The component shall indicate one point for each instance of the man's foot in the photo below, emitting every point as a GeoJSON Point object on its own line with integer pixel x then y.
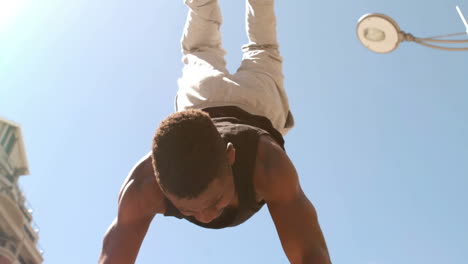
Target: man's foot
{"type": "Point", "coordinates": [198, 3]}
{"type": "Point", "coordinates": [206, 9]}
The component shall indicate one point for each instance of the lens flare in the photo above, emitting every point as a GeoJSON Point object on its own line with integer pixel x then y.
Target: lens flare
{"type": "Point", "coordinates": [9, 10]}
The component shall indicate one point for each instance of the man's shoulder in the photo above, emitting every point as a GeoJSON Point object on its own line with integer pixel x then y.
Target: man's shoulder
{"type": "Point", "coordinates": [140, 194]}
{"type": "Point", "coordinates": [273, 168]}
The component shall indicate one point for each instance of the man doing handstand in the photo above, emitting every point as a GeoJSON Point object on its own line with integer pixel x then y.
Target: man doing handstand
{"type": "Point", "coordinates": [220, 157]}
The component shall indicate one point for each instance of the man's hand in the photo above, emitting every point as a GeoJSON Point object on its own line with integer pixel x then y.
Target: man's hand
{"type": "Point", "coordinates": [293, 214]}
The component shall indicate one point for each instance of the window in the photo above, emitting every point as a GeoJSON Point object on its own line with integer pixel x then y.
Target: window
{"type": "Point", "coordinates": [10, 178]}
{"type": "Point", "coordinates": [7, 135]}
{"type": "Point", "coordinates": [2, 126]}
{"type": "Point", "coordinates": [22, 261]}
{"type": "Point", "coordinates": [11, 144]}
{"type": "Point", "coordinates": [12, 248]}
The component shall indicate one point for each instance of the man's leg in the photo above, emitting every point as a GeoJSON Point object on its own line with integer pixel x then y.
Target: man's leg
{"type": "Point", "coordinates": [262, 64]}
{"type": "Point", "coordinates": [201, 39]}
{"type": "Point", "coordinates": [203, 55]}
{"type": "Point", "coordinates": [261, 52]}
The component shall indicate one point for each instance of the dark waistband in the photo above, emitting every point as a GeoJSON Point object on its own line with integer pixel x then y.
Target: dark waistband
{"type": "Point", "coordinates": [250, 119]}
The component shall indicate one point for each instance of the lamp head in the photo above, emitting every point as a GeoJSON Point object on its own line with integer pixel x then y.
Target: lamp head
{"type": "Point", "coordinates": [379, 33]}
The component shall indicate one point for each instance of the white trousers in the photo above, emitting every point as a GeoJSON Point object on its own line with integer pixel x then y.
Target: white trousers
{"type": "Point", "coordinates": [256, 87]}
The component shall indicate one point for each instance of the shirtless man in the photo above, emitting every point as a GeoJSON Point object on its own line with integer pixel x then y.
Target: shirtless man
{"type": "Point", "coordinates": [220, 157]}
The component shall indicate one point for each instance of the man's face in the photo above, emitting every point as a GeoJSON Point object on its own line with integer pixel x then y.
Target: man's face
{"type": "Point", "coordinates": [210, 204]}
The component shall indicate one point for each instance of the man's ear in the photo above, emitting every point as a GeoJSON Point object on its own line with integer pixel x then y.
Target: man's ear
{"type": "Point", "coordinates": [230, 153]}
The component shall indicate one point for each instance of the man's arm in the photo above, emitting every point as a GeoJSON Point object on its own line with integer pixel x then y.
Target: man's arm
{"type": "Point", "coordinates": [140, 199]}
{"type": "Point", "coordinates": [294, 216]}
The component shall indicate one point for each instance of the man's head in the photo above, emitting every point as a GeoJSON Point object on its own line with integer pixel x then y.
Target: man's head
{"type": "Point", "coordinates": [192, 164]}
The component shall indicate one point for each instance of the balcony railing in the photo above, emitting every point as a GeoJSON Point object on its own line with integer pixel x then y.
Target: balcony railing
{"type": "Point", "coordinates": [26, 213]}
{"type": "Point", "coordinates": [29, 234]}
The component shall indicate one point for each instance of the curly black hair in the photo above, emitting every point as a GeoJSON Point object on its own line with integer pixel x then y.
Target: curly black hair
{"type": "Point", "coordinates": [188, 153]}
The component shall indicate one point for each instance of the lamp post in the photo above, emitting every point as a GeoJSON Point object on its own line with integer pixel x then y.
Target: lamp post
{"type": "Point", "coordinates": [380, 33]}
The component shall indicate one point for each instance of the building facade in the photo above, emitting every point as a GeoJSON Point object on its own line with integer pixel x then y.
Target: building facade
{"type": "Point", "coordinates": [18, 237]}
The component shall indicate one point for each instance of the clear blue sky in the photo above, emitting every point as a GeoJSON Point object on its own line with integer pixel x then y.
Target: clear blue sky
{"type": "Point", "coordinates": [380, 144]}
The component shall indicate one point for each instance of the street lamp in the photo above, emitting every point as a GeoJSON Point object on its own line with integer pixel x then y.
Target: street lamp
{"type": "Point", "coordinates": [381, 34]}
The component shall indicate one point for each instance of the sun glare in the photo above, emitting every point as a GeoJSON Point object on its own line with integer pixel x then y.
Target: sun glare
{"type": "Point", "coordinates": [9, 10]}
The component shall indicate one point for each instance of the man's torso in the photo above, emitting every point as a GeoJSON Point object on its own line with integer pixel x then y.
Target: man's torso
{"type": "Point", "coordinates": [244, 132]}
